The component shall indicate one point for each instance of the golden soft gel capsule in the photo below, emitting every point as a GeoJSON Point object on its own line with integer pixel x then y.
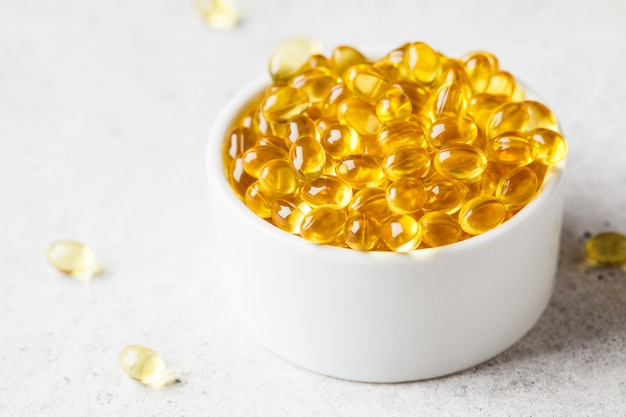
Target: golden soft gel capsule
{"type": "Point", "coordinates": [287, 59]}
{"type": "Point", "coordinates": [219, 14]}
{"type": "Point", "coordinates": [608, 248]}
{"type": "Point", "coordinates": [73, 258]}
{"type": "Point", "coordinates": [143, 365]}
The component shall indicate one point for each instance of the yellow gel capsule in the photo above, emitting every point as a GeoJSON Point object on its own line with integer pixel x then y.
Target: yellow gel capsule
{"type": "Point", "coordinates": [399, 134]}
{"type": "Point", "coordinates": [360, 171]}
{"type": "Point", "coordinates": [272, 141]}
{"type": "Point", "coordinates": [298, 127]}
{"type": "Point", "coordinates": [238, 141]}
{"type": "Point", "coordinates": [260, 125]}
{"type": "Point", "coordinates": [307, 157]}
{"type": "Point", "coordinates": [450, 100]}
{"type": "Point", "coordinates": [257, 156]}
{"type": "Point", "coordinates": [257, 202]}
{"type": "Point", "coordinates": [512, 149]}
{"type": "Point", "coordinates": [277, 178]}
{"type": "Point", "coordinates": [422, 63]}
{"type": "Point", "coordinates": [393, 105]}
{"type": "Point", "coordinates": [361, 231]}
{"type": "Point", "coordinates": [287, 59]}
{"type": "Point", "coordinates": [444, 196]}
{"type": "Point", "coordinates": [142, 364]}
{"type": "Point", "coordinates": [366, 82]}
{"type": "Point", "coordinates": [316, 83]}
{"type": "Point", "coordinates": [218, 14]}
{"type": "Point", "coordinates": [339, 141]}
{"type": "Point", "coordinates": [501, 83]}
{"type": "Point", "coordinates": [481, 106]}
{"type": "Point", "coordinates": [72, 258]}
{"type": "Point", "coordinates": [540, 116]}
{"type": "Point", "coordinates": [406, 195]}
{"type": "Point", "coordinates": [460, 162]}
{"type": "Point", "coordinates": [401, 233]}
{"type": "Point", "coordinates": [407, 161]}
{"type": "Point", "coordinates": [314, 61]}
{"type": "Point", "coordinates": [284, 103]}
{"type": "Point", "coordinates": [371, 201]}
{"type": "Point", "coordinates": [518, 188]}
{"type": "Point", "coordinates": [391, 70]}
{"type": "Point", "coordinates": [550, 145]}
{"type": "Point", "coordinates": [451, 130]}
{"type": "Point", "coordinates": [439, 229]}
{"type": "Point", "coordinates": [481, 214]}
{"type": "Point", "coordinates": [608, 248]}
{"type": "Point", "coordinates": [417, 94]}
{"type": "Point", "coordinates": [336, 95]}
{"type": "Point", "coordinates": [288, 212]}
{"type": "Point", "coordinates": [326, 191]}
{"type": "Point", "coordinates": [238, 178]}
{"type": "Point", "coordinates": [520, 117]}
{"type": "Point", "coordinates": [487, 182]}
{"type": "Point", "coordinates": [343, 57]}
{"type": "Point", "coordinates": [480, 66]}
{"type": "Point", "coordinates": [359, 115]}
{"type": "Point", "coordinates": [323, 224]}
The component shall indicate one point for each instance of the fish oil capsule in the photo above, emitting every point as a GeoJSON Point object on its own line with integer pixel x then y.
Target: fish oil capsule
{"type": "Point", "coordinates": [142, 364]}
{"type": "Point", "coordinates": [343, 57]}
{"type": "Point", "coordinates": [399, 134]}
{"type": "Point", "coordinates": [422, 63]}
{"type": "Point", "coordinates": [272, 141]}
{"type": "Point", "coordinates": [369, 145]}
{"type": "Point", "coordinates": [72, 258]}
{"type": "Point", "coordinates": [298, 127]}
{"type": "Point", "coordinates": [287, 59]}
{"type": "Point", "coordinates": [518, 188]}
{"type": "Point", "coordinates": [307, 158]}
{"type": "Point", "coordinates": [326, 191]}
{"type": "Point", "coordinates": [511, 149]}
{"type": "Point", "coordinates": [288, 212]}
{"type": "Point", "coordinates": [339, 141]}
{"type": "Point", "coordinates": [371, 201]}
{"type": "Point", "coordinates": [360, 171]}
{"type": "Point", "coordinates": [550, 145]}
{"type": "Point", "coordinates": [314, 61]}
{"type": "Point", "coordinates": [417, 94]}
{"type": "Point", "coordinates": [401, 233]}
{"type": "Point", "coordinates": [482, 105]}
{"type": "Point", "coordinates": [540, 116]}
{"type": "Point", "coordinates": [481, 214]}
{"type": "Point", "coordinates": [456, 74]}
{"type": "Point", "coordinates": [238, 141]}
{"type": "Point", "coordinates": [359, 115]}
{"type": "Point", "coordinates": [361, 231]}
{"type": "Point", "coordinates": [440, 229]}
{"type": "Point", "coordinates": [366, 82]}
{"type": "Point", "coordinates": [608, 248]}
{"type": "Point", "coordinates": [407, 161]}
{"type": "Point", "coordinates": [323, 224]}
{"type": "Point", "coordinates": [257, 202]}
{"type": "Point", "coordinates": [336, 95]}
{"type": "Point", "coordinates": [393, 105]}
{"type": "Point", "coordinates": [509, 117]}
{"type": "Point", "coordinates": [218, 14]}
{"type": "Point", "coordinates": [480, 66]}
{"type": "Point", "coordinates": [405, 195]}
{"type": "Point", "coordinates": [315, 82]}
{"type": "Point", "coordinates": [444, 196]}
{"type": "Point", "coordinates": [501, 83]}
{"type": "Point", "coordinates": [460, 162]}
{"type": "Point", "coordinates": [450, 100]}
{"type": "Point", "coordinates": [277, 178]}
{"type": "Point", "coordinates": [257, 156]}
{"type": "Point", "coordinates": [238, 178]}
{"type": "Point", "coordinates": [450, 130]}
{"type": "Point", "coordinates": [284, 103]}
{"type": "Point", "coordinates": [487, 183]}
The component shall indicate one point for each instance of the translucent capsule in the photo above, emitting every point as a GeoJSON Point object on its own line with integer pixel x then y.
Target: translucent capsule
{"type": "Point", "coordinates": [298, 127]}
{"type": "Point", "coordinates": [360, 171]}
{"type": "Point", "coordinates": [422, 63]}
{"type": "Point", "coordinates": [316, 83]}
{"type": "Point", "coordinates": [481, 214]}
{"type": "Point", "coordinates": [405, 195]}
{"type": "Point", "coordinates": [307, 158]}
{"type": "Point", "coordinates": [326, 191]}
{"type": "Point", "coordinates": [73, 258]}
{"type": "Point", "coordinates": [417, 94]}
{"type": "Point", "coordinates": [288, 212]}
{"type": "Point", "coordinates": [260, 126]}
{"type": "Point", "coordinates": [391, 71]}
{"type": "Point", "coordinates": [287, 59]}
{"type": "Point", "coordinates": [339, 141]}
{"type": "Point", "coordinates": [450, 100]}
{"type": "Point", "coordinates": [343, 57]}
{"type": "Point", "coordinates": [371, 201]}
{"type": "Point", "coordinates": [480, 66]}
{"type": "Point", "coordinates": [501, 83]}
{"type": "Point", "coordinates": [487, 182]}
{"type": "Point", "coordinates": [550, 145]}
{"type": "Point", "coordinates": [314, 61]}
{"type": "Point", "coordinates": [608, 248]}
{"type": "Point", "coordinates": [399, 134]}
{"type": "Point", "coordinates": [277, 178]}
{"type": "Point", "coordinates": [257, 201]}
{"type": "Point", "coordinates": [272, 141]}
{"type": "Point", "coordinates": [361, 231]}
{"type": "Point", "coordinates": [218, 14]}
{"type": "Point", "coordinates": [257, 156]}
{"type": "Point", "coordinates": [509, 117]}
{"type": "Point", "coordinates": [369, 145]}
{"type": "Point", "coordinates": [451, 130]}
{"type": "Point", "coordinates": [518, 188]}
{"type": "Point", "coordinates": [335, 95]}
{"type": "Point", "coordinates": [439, 229]}
{"type": "Point", "coordinates": [366, 82]}
{"type": "Point", "coordinates": [238, 141]}
{"type": "Point", "coordinates": [238, 178]}
{"type": "Point", "coordinates": [444, 196]}
{"type": "Point", "coordinates": [481, 106]}
{"type": "Point", "coordinates": [456, 74]}
{"type": "Point", "coordinates": [407, 161]}
{"type": "Point", "coordinates": [393, 105]}
{"type": "Point", "coordinates": [512, 149]}
{"type": "Point", "coordinates": [460, 162]}
{"type": "Point", "coordinates": [359, 115]}
{"type": "Point", "coordinates": [540, 116]}
{"type": "Point", "coordinates": [142, 364]}
{"type": "Point", "coordinates": [284, 103]}
{"type": "Point", "coordinates": [401, 233]}
{"type": "Point", "coordinates": [323, 224]}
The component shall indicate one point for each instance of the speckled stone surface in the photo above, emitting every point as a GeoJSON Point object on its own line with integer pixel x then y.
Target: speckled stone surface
{"type": "Point", "coordinates": [105, 108]}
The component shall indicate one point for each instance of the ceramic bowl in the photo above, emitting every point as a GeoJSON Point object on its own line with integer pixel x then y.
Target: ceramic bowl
{"type": "Point", "coordinates": [383, 316]}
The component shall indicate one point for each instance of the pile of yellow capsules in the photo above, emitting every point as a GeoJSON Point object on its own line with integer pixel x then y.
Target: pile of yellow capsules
{"type": "Point", "coordinates": [412, 150]}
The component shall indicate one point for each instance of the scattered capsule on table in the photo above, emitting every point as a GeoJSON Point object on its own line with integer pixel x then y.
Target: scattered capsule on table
{"type": "Point", "coordinates": [393, 105]}
{"type": "Point", "coordinates": [218, 14]}
{"type": "Point", "coordinates": [73, 258]}
{"type": "Point", "coordinates": [284, 103]}
{"type": "Point", "coordinates": [254, 158]}
{"type": "Point", "coordinates": [307, 158]}
{"type": "Point", "coordinates": [323, 224]}
{"type": "Point", "coordinates": [360, 171]}
{"type": "Point", "coordinates": [439, 229]}
{"type": "Point", "coordinates": [550, 145]}
{"type": "Point", "coordinates": [607, 248]}
{"type": "Point", "coordinates": [407, 161]}
{"type": "Point", "coordinates": [288, 212]}
{"type": "Point", "coordinates": [339, 141]}
{"type": "Point", "coordinates": [359, 115]}
{"type": "Point", "coordinates": [143, 364]}
{"type": "Point", "coordinates": [512, 149]}
{"type": "Point", "coordinates": [276, 177]}
{"type": "Point", "coordinates": [405, 195]}
{"type": "Point", "coordinates": [449, 130]}
{"type": "Point", "coordinates": [445, 196]}
{"type": "Point", "coordinates": [481, 214]}
{"type": "Point", "coordinates": [287, 59]}
{"type": "Point", "coordinates": [517, 188]}
{"type": "Point", "coordinates": [366, 82]}
{"type": "Point", "coordinates": [401, 233]}
{"type": "Point", "coordinates": [460, 161]}
{"type": "Point", "coordinates": [361, 231]}
{"type": "Point", "coordinates": [326, 191]}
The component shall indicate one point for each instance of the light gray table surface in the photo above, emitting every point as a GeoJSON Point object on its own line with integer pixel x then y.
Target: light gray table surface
{"type": "Point", "coordinates": [105, 108]}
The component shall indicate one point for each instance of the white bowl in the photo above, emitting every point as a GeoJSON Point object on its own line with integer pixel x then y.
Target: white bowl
{"type": "Point", "coordinates": [383, 316]}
